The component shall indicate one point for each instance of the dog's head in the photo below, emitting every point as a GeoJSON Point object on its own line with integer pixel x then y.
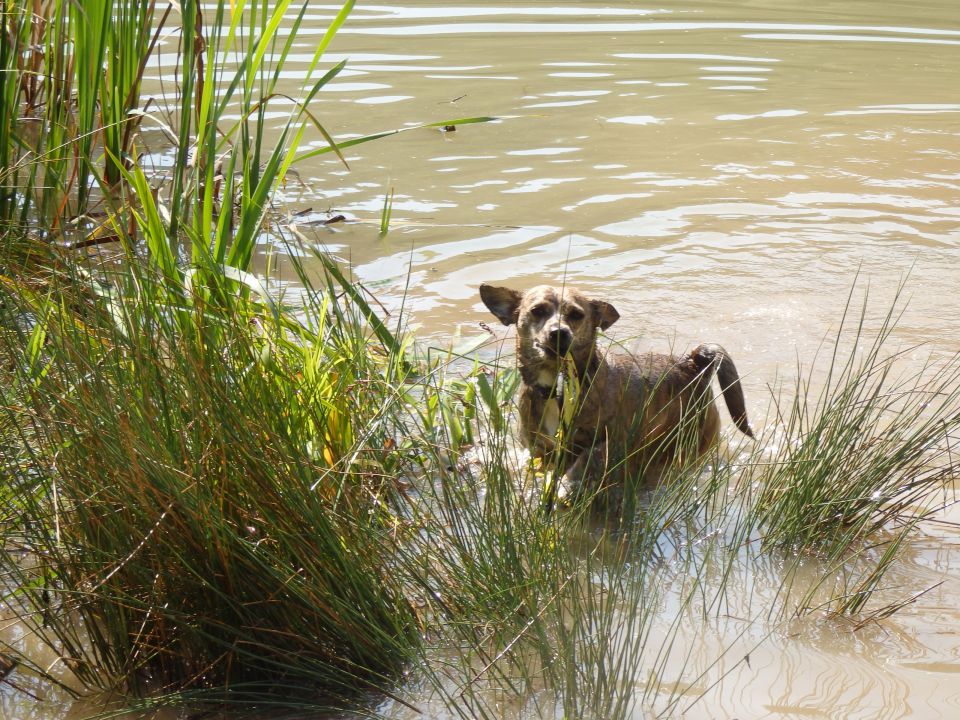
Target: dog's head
{"type": "Point", "coordinates": [551, 322]}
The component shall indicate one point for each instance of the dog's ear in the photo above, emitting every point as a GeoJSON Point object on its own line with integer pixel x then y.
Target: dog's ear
{"type": "Point", "coordinates": [502, 302]}
{"type": "Point", "coordinates": [604, 314]}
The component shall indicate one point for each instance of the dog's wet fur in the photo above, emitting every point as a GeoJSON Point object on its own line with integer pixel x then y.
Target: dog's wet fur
{"type": "Point", "coordinates": [636, 415]}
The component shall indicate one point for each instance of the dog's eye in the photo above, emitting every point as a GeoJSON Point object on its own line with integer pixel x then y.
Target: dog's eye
{"type": "Point", "coordinates": [540, 311]}
{"type": "Point", "coordinates": [575, 315]}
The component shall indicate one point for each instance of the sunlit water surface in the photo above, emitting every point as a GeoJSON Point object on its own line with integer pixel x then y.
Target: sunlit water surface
{"type": "Point", "coordinates": [720, 172]}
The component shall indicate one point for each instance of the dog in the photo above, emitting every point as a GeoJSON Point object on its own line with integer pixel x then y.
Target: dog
{"type": "Point", "coordinates": [633, 415]}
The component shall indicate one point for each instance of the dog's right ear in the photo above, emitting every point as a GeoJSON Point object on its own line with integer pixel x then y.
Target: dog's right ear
{"type": "Point", "coordinates": [502, 302]}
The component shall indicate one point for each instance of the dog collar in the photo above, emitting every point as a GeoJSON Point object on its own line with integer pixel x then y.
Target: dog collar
{"type": "Point", "coordinates": [552, 391]}
{"type": "Point", "coordinates": [544, 391]}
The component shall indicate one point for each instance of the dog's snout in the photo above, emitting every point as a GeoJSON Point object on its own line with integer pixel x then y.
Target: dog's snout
{"type": "Point", "coordinates": [560, 339]}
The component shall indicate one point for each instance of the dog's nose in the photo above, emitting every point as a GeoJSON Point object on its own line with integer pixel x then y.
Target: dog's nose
{"type": "Point", "coordinates": [560, 339]}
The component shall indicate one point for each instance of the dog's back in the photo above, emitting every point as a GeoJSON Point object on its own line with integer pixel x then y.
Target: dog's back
{"type": "Point", "coordinates": [660, 409]}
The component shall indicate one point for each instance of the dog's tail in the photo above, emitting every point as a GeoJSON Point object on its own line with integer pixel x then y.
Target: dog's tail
{"type": "Point", "coordinates": [709, 358]}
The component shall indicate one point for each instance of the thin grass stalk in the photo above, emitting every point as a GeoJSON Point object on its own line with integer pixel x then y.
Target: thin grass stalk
{"type": "Point", "coordinates": [90, 24]}
{"type": "Point", "coordinates": [190, 57]}
{"type": "Point", "coordinates": [386, 213]}
{"type": "Point", "coordinates": [128, 35]}
{"type": "Point", "coordinates": [53, 158]}
{"type": "Point", "coordinates": [15, 29]}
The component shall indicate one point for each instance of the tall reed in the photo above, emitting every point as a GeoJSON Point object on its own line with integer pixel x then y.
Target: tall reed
{"type": "Point", "coordinates": [167, 416]}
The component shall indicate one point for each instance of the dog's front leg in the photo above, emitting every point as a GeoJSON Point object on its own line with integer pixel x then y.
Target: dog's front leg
{"type": "Point", "coordinates": [584, 475]}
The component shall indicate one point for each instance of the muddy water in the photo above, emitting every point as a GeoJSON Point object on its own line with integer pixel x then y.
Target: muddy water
{"type": "Point", "coordinates": [719, 171]}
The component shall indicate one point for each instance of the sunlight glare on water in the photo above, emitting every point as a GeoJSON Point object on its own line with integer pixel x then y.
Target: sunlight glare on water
{"type": "Point", "coordinates": [718, 172]}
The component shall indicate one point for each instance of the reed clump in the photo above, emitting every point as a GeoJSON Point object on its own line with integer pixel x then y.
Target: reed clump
{"type": "Point", "coordinates": [869, 450]}
{"type": "Point", "coordinates": [199, 477]}
{"type": "Point", "coordinates": [205, 506]}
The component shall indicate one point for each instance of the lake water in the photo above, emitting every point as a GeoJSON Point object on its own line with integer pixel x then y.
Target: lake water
{"type": "Point", "coordinates": [719, 171]}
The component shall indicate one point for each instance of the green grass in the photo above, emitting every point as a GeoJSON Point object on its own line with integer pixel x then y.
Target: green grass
{"type": "Point", "coordinates": [244, 501]}
{"type": "Point", "coordinates": [200, 479]}
{"type": "Point", "coordinates": [865, 451]}
{"type": "Point", "coordinates": [157, 502]}
{"type": "Point", "coordinates": [386, 213]}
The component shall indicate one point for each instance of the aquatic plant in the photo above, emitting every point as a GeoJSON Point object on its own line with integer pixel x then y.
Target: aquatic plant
{"type": "Point", "coordinates": [582, 615]}
{"type": "Point", "coordinates": [160, 543]}
{"type": "Point", "coordinates": [869, 451]}
{"type": "Point", "coordinates": [270, 497]}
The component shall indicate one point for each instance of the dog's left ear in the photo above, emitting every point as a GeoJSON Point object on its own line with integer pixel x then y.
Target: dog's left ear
{"type": "Point", "coordinates": [604, 314]}
{"type": "Point", "coordinates": [502, 302]}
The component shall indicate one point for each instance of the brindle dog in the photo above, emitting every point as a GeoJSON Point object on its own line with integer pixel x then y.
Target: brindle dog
{"type": "Point", "coordinates": [634, 415]}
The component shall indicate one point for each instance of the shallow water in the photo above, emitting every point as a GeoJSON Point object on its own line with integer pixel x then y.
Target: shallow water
{"type": "Point", "coordinates": [718, 171]}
